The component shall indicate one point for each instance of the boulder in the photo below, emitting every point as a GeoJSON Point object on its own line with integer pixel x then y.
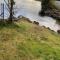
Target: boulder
{"type": "Point", "coordinates": [58, 31]}
{"type": "Point", "coordinates": [35, 22]}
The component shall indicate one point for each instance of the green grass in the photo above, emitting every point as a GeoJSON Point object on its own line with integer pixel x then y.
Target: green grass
{"type": "Point", "coordinates": [26, 41]}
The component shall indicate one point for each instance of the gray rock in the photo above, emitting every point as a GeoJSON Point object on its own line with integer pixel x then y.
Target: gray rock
{"type": "Point", "coordinates": [35, 22]}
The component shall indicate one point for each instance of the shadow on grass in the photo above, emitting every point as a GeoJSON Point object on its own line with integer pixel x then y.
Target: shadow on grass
{"type": "Point", "coordinates": [8, 25]}
{"type": "Point", "coordinates": [18, 28]}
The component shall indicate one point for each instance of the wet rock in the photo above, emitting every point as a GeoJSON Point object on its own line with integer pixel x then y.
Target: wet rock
{"type": "Point", "coordinates": [42, 13]}
{"type": "Point", "coordinates": [54, 13]}
{"type": "Point", "coordinates": [37, 23]}
{"type": "Point", "coordinates": [58, 31]}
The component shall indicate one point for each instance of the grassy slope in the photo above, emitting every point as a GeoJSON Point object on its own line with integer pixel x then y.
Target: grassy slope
{"type": "Point", "coordinates": [26, 41]}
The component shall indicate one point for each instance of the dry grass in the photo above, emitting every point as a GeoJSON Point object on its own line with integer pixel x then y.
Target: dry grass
{"type": "Point", "coordinates": [26, 41]}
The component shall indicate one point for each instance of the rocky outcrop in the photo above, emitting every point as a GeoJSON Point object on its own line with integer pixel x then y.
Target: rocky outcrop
{"type": "Point", "coordinates": [49, 9]}
{"type": "Point", "coordinates": [54, 13]}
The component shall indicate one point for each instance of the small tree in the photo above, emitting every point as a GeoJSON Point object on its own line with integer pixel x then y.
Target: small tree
{"type": "Point", "coordinates": [11, 10]}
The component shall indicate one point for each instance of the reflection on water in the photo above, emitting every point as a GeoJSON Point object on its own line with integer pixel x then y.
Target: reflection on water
{"type": "Point", "coordinates": [31, 8]}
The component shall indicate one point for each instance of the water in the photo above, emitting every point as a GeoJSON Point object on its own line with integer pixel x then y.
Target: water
{"type": "Point", "coordinates": [30, 9]}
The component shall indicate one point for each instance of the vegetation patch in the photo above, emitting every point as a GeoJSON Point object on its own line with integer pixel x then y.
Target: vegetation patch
{"type": "Point", "coordinates": [27, 41]}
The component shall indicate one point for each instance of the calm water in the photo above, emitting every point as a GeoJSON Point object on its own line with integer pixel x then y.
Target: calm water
{"type": "Point", "coordinates": [31, 8]}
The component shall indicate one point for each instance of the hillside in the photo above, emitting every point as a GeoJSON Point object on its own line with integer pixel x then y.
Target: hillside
{"type": "Point", "coordinates": [23, 40]}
